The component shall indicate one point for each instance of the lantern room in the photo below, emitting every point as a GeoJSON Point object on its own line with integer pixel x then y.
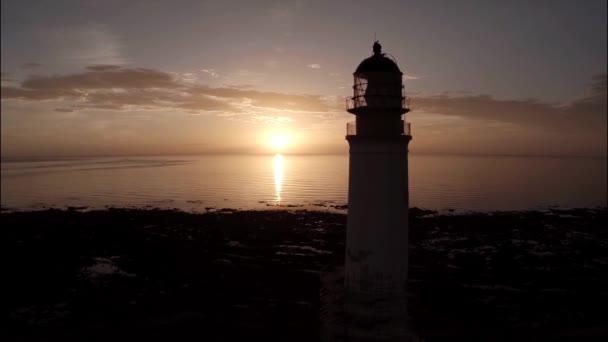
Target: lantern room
{"type": "Point", "coordinates": [378, 100]}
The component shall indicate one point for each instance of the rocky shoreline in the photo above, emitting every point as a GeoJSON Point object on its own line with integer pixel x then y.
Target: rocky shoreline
{"type": "Point", "coordinates": [234, 275]}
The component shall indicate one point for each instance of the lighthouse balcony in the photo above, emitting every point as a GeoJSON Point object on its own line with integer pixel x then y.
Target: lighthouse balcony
{"type": "Point", "coordinates": [403, 130]}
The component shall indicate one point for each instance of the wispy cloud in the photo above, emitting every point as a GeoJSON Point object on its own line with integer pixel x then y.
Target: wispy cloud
{"type": "Point", "coordinates": [314, 66]}
{"type": "Point", "coordinates": [210, 72]}
{"type": "Point", "coordinates": [412, 77]}
{"type": "Point", "coordinates": [63, 110]}
{"type": "Point", "coordinates": [188, 77]}
{"type": "Point", "coordinates": [271, 119]}
{"type": "Point", "coordinates": [103, 67]}
{"type": "Point", "coordinates": [5, 80]}
{"type": "Point", "coordinates": [30, 65]}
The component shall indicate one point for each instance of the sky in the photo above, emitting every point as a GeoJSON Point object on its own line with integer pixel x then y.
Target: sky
{"type": "Point", "coordinates": [88, 78]}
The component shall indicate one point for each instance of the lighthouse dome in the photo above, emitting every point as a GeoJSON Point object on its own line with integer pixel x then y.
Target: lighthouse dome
{"type": "Point", "coordinates": [378, 62]}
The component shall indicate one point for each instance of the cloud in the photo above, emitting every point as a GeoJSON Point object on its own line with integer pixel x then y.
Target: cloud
{"type": "Point", "coordinates": [63, 110]}
{"type": "Point", "coordinates": [10, 92]}
{"type": "Point", "coordinates": [583, 114]}
{"type": "Point", "coordinates": [5, 79]}
{"type": "Point", "coordinates": [411, 77]}
{"type": "Point", "coordinates": [314, 66]}
{"type": "Point", "coordinates": [240, 86]}
{"type": "Point", "coordinates": [483, 124]}
{"type": "Point", "coordinates": [451, 122]}
{"type": "Point", "coordinates": [103, 67]}
{"type": "Point", "coordinates": [271, 119]}
{"type": "Point", "coordinates": [30, 65]}
{"type": "Point", "coordinates": [101, 79]}
{"type": "Point", "coordinates": [210, 72]}
{"type": "Point", "coordinates": [112, 88]}
{"type": "Point", "coordinates": [137, 89]}
{"type": "Point", "coordinates": [188, 77]}
{"type": "Point", "coordinates": [599, 84]}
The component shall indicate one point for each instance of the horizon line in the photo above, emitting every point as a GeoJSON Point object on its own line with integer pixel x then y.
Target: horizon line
{"type": "Point", "coordinates": [55, 157]}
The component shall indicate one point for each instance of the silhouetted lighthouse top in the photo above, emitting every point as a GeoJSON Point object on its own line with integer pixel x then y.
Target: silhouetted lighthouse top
{"type": "Point", "coordinates": [378, 100]}
{"type": "Point", "coordinates": [378, 62]}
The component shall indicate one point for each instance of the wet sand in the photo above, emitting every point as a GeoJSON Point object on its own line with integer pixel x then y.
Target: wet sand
{"type": "Point", "coordinates": [154, 274]}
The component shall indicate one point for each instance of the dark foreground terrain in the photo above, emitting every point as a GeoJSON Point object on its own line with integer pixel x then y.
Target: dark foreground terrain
{"type": "Point", "coordinates": [254, 275]}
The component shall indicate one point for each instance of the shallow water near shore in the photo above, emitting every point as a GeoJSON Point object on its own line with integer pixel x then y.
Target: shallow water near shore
{"type": "Point", "coordinates": [194, 183]}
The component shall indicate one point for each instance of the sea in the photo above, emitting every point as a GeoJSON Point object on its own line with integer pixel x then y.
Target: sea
{"type": "Point", "coordinates": [211, 182]}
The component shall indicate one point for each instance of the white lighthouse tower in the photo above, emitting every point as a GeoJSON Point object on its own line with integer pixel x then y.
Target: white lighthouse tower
{"type": "Point", "coordinates": [376, 263]}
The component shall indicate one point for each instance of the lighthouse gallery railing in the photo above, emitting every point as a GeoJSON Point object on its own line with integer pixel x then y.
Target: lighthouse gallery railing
{"type": "Point", "coordinates": [351, 128]}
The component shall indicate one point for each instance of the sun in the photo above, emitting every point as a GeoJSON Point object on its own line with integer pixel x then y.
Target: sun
{"type": "Point", "coordinates": [279, 141]}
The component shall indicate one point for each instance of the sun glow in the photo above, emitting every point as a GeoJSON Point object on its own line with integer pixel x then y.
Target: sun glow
{"type": "Point", "coordinates": [279, 141]}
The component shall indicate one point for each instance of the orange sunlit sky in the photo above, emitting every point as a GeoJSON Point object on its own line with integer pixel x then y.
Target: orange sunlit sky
{"type": "Point", "coordinates": [83, 78]}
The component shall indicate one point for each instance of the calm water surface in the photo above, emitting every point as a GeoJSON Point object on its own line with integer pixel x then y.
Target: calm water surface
{"type": "Point", "coordinates": [252, 182]}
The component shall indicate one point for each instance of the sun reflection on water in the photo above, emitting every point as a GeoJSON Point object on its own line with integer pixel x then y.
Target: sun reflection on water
{"type": "Point", "coordinates": [277, 167]}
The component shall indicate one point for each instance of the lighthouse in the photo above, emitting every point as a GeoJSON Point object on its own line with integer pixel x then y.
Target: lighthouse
{"type": "Point", "coordinates": [376, 261]}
